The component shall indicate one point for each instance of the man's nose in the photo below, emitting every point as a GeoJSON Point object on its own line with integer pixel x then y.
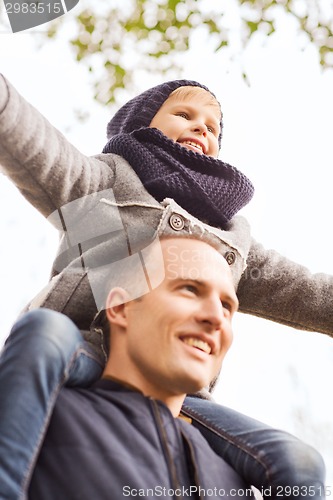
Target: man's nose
{"type": "Point", "coordinates": [211, 313]}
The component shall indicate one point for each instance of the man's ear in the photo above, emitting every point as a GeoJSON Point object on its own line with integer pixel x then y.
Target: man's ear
{"type": "Point", "coordinates": [116, 306]}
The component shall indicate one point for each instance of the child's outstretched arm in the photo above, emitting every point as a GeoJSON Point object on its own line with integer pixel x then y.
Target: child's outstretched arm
{"type": "Point", "coordinates": [275, 288]}
{"type": "Point", "coordinates": [46, 168]}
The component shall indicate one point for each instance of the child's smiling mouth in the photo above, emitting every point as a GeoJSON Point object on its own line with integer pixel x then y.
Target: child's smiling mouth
{"type": "Point", "coordinates": [194, 145]}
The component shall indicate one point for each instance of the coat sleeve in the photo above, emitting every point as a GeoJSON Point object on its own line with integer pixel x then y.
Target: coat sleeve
{"type": "Point", "coordinates": [275, 288]}
{"type": "Point", "coordinates": [44, 166]}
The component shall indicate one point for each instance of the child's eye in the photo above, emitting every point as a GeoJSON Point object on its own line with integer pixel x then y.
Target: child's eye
{"type": "Point", "coordinates": [182, 114]}
{"type": "Point", "coordinates": [211, 129]}
{"type": "Point", "coordinates": [226, 306]}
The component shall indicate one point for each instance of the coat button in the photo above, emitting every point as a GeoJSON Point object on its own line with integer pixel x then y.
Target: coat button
{"type": "Point", "coordinates": [230, 257]}
{"type": "Point", "coordinates": [176, 221]}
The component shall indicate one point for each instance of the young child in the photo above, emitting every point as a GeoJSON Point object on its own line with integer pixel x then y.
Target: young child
{"type": "Point", "coordinates": [158, 174]}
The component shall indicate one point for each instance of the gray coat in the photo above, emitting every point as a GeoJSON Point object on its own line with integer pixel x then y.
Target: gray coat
{"type": "Point", "coordinates": [101, 208]}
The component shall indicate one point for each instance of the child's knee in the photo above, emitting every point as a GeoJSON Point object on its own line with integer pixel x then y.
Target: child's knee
{"type": "Point", "coordinates": [42, 326]}
{"type": "Point", "coordinates": [299, 465]}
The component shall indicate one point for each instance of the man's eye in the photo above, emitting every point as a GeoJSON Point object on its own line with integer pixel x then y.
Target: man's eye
{"type": "Point", "coordinates": [190, 288]}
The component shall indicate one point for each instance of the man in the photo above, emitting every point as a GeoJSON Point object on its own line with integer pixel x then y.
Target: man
{"type": "Point", "coordinates": [121, 437]}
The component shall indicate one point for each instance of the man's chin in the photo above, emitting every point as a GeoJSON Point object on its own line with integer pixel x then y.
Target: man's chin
{"type": "Point", "coordinates": [196, 386]}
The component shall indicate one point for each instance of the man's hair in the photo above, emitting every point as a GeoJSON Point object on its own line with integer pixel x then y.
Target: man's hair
{"type": "Point", "coordinates": [137, 274]}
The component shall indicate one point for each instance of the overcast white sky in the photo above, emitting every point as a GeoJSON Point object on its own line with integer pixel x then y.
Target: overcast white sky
{"type": "Point", "coordinates": [279, 132]}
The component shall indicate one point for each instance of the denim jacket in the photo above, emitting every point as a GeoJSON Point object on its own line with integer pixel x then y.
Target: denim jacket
{"type": "Point", "coordinates": [135, 448]}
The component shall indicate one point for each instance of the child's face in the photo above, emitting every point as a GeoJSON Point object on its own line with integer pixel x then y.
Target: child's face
{"type": "Point", "coordinates": [191, 120]}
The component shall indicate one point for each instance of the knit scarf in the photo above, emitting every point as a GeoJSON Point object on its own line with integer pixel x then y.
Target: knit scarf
{"type": "Point", "coordinates": [208, 188]}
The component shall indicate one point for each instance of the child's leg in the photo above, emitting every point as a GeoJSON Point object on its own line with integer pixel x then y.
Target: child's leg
{"type": "Point", "coordinates": [267, 458]}
{"type": "Point", "coordinates": [44, 351]}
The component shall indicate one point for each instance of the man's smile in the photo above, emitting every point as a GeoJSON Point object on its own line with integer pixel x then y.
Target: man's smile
{"type": "Point", "coordinates": [199, 344]}
{"type": "Point", "coordinates": [201, 341]}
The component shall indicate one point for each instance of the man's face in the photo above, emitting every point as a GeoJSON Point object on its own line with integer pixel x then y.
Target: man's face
{"type": "Point", "coordinates": [178, 334]}
{"type": "Point", "coordinates": [192, 121]}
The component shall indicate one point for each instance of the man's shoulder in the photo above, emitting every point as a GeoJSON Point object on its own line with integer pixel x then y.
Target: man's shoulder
{"type": "Point", "coordinates": [104, 392]}
{"type": "Point", "coordinates": [108, 406]}
{"type": "Point", "coordinates": [98, 419]}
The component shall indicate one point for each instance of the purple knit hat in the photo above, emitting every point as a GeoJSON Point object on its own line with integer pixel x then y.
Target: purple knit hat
{"type": "Point", "coordinates": [139, 111]}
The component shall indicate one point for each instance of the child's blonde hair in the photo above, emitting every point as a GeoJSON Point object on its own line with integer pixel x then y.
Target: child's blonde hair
{"type": "Point", "coordinates": [188, 91]}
